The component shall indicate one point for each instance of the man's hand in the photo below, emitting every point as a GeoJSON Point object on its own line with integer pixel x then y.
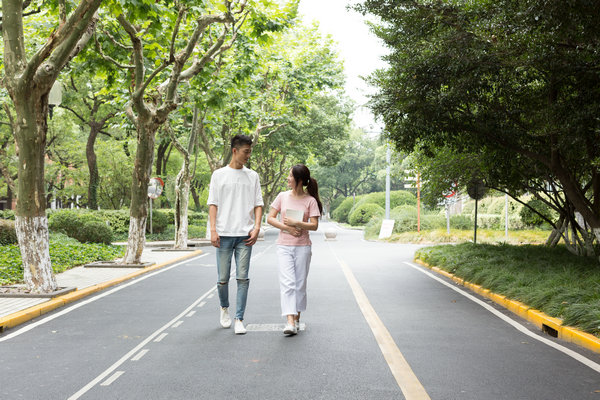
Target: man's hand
{"type": "Point", "coordinates": [253, 237]}
{"type": "Point", "coordinates": [215, 240]}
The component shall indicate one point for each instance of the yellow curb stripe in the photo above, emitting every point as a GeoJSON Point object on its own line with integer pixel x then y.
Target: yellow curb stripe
{"type": "Point", "coordinates": [538, 318]}
{"type": "Point", "coordinates": [406, 379]}
{"type": "Point", "coordinates": [19, 317]}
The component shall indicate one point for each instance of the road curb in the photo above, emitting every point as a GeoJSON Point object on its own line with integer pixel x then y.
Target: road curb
{"type": "Point", "coordinates": [552, 326]}
{"type": "Point", "coordinates": [20, 317]}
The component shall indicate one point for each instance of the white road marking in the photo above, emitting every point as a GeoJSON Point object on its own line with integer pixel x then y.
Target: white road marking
{"type": "Point", "coordinates": [140, 355]}
{"type": "Point", "coordinates": [584, 360]}
{"type": "Point", "coordinates": [137, 348]}
{"type": "Point", "coordinates": [177, 324]}
{"type": "Point", "coordinates": [191, 313]}
{"type": "Point", "coordinates": [92, 299]}
{"type": "Point", "coordinates": [113, 378]}
{"type": "Point", "coordinates": [161, 337]}
{"type": "Point", "coordinates": [201, 304]}
{"type": "Point", "coordinates": [211, 296]}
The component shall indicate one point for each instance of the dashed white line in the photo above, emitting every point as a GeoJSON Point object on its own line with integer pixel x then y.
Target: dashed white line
{"type": "Point", "coordinates": [191, 313]}
{"type": "Point", "coordinates": [161, 337]}
{"type": "Point", "coordinates": [201, 304]}
{"type": "Point", "coordinates": [113, 378]}
{"type": "Point", "coordinates": [177, 324]}
{"type": "Point", "coordinates": [140, 355]}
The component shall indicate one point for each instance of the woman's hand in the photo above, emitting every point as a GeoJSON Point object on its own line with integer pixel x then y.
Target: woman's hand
{"type": "Point", "coordinates": [290, 222]}
{"type": "Point", "coordinates": [294, 231]}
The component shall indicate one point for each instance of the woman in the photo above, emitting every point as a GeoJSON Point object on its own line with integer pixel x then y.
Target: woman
{"type": "Point", "coordinates": [300, 210]}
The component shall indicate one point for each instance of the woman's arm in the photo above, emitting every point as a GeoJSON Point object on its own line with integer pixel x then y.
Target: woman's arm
{"type": "Point", "coordinates": [311, 225]}
{"type": "Point", "coordinates": [272, 220]}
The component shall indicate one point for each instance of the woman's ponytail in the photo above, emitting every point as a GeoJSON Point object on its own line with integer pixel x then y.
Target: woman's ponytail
{"type": "Point", "coordinates": [313, 189]}
{"type": "Point", "coordinates": [302, 174]}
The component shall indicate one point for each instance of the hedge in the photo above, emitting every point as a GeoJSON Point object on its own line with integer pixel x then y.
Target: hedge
{"type": "Point", "coordinates": [363, 213]}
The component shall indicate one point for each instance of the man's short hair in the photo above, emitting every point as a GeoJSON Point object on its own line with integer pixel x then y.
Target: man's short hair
{"type": "Point", "coordinates": [240, 140]}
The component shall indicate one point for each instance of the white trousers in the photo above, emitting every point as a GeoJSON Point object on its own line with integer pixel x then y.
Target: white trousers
{"type": "Point", "coordinates": [294, 263]}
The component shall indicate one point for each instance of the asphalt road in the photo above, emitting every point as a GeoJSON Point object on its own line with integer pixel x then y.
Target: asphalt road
{"type": "Point", "coordinates": [377, 327]}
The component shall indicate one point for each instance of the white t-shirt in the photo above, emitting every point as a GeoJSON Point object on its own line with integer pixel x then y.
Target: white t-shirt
{"type": "Point", "coordinates": [235, 192]}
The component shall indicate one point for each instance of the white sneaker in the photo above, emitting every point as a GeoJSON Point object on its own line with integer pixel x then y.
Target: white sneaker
{"type": "Point", "coordinates": [225, 319]}
{"type": "Point", "coordinates": [240, 329]}
{"type": "Point", "coordinates": [290, 329]}
{"type": "Point", "coordinates": [297, 325]}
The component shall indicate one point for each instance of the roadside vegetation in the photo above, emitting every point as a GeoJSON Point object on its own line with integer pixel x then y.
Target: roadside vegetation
{"type": "Point", "coordinates": [65, 253]}
{"type": "Point", "coordinates": [552, 280]}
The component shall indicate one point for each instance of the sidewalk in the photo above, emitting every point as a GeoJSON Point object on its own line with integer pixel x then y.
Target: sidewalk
{"type": "Point", "coordinates": [17, 310]}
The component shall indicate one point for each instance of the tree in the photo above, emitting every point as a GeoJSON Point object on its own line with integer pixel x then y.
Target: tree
{"type": "Point", "coordinates": [515, 78]}
{"type": "Point", "coordinates": [166, 46]}
{"type": "Point", "coordinates": [29, 74]}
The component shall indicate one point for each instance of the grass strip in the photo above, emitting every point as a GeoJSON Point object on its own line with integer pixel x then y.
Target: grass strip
{"type": "Point", "coordinates": [65, 253]}
{"type": "Point", "coordinates": [551, 280]}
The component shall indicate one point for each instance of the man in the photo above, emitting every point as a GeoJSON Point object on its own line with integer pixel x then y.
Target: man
{"type": "Point", "coordinates": [235, 207]}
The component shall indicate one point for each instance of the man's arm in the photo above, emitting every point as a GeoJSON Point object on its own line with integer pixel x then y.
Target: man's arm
{"type": "Point", "coordinates": [215, 240]}
{"type": "Point", "coordinates": [258, 212]}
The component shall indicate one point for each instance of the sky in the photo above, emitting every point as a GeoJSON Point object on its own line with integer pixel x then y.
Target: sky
{"type": "Point", "coordinates": [360, 50]}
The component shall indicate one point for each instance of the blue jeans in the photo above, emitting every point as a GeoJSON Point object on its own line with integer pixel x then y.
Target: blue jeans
{"type": "Point", "coordinates": [234, 246]}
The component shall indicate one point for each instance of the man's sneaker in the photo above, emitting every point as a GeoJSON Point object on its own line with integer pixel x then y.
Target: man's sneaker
{"type": "Point", "coordinates": [225, 320]}
{"type": "Point", "coordinates": [290, 329]}
{"type": "Point", "coordinates": [297, 325]}
{"type": "Point", "coordinates": [240, 329]}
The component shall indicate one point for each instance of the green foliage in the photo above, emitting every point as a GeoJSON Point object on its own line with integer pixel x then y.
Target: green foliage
{"type": "Point", "coordinates": [363, 213]}
{"type": "Point", "coordinates": [65, 253]}
{"type": "Point", "coordinates": [549, 279]}
{"type": "Point", "coordinates": [461, 222]}
{"type": "Point", "coordinates": [397, 198]}
{"type": "Point", "coordinates": [7, 214]}
{"type": "Point", "coordinates": [118, 220]}
{"type": "Point", "coordinates": [160, 221]}
{"type": "Point", "coordinates": [530, 218]}
{"type": "Point", "coordinates": [335, 203]}
{"type": "Point", "coordinates": [8, 235]}
{"type": "Point", "coordinates": [341, 213]}
{"type": "Point", "coordinates": [85, 226]}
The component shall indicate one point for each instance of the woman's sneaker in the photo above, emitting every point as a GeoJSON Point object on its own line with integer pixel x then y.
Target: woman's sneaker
{"type": "Point", "coordinates": [290, 329]}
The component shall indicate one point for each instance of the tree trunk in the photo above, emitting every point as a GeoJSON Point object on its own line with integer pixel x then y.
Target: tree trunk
{"type": "Point", "coordinates": [182, 193]}
{"type": "Point", "coordinates": [31, 222]}
{"type": "Point", "coordinates": [139, 192]}
{"type": "Point", "coordinates": [93, 169]}
{"type": "Point", "coordinates": [196, 198]}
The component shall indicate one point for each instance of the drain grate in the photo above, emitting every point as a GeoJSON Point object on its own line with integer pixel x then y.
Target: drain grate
{"type": "Point", "coordinates": [549, 330]}
{"type": "Point", "coordinates": [270, 327]}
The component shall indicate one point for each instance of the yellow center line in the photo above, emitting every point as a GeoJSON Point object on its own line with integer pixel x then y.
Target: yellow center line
{"type": "Point", "coordinates": [403, 373]}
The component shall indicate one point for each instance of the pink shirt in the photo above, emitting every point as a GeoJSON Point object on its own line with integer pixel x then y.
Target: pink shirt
{"type": "Point", "coordinates": [306, 204]}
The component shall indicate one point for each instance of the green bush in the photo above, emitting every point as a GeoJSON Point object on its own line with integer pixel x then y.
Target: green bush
{"type": "Point", "coordinates": [363, 214]}
{"type": "Point", "coordinates": [7, 214]}
{"type": "Point", "coordinates": [8, 235]}
{"type": "Point", "coordinates": [160, 221]}
{"type": "Point", "coordinates": [461, 222]}
{"type": "Point", "coordinates": [335, 203]}
{"type": "Point", "coordinates": [118, 220]}
{"type": "Point", "coordinates": [93, 231]}
{"type": "Point", "coordinates": [342, 212]}
{"type": "Point", "coordinates": [85, 226]}
{"type": "Point", "coordinates": [197, 218]}
{"type": "Point", "coordinates": [530, 218]}
{"type": "Point", "coordinates": [397, 198]}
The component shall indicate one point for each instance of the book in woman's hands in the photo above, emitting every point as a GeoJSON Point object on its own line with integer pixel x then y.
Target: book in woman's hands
{"type": "Point", "coordinates": [294, 214]}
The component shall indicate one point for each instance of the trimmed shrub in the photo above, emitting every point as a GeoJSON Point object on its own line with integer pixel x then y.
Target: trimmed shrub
{"type": "Point", "coordinates": [7, 214]}
{"type": "Point", "coordinates": [94, 231]}
{"type": "Point", "coordinates": [85, 226]}
{"type": "Point", "coordinates": [530, 218]}
{"type": "Point", "coordinates": [397, 198]}
{"type": "Point", "coordinates": [363, 214]}
{"type": "Point", "coordinates": [342, 212]}
{"type": "Point", "coordinates": [160, 221]}
{"type": "Point", "coordinates": [118, 220]}
{"type": "Point", "coordinates": [335, 203]}
{"type": "Point", "coordinates": [8, 235]}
